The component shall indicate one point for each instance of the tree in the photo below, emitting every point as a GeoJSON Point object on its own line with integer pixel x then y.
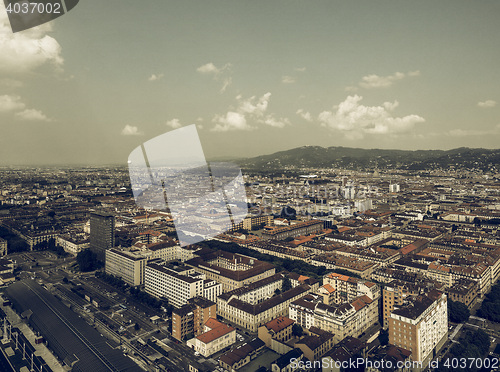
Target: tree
{"type": "Point", "coordinates": [287, 284]}
{"type": "Point", "coordinates": [277, 291]}
{"type": "Point", "coordinates": [482, 340]}
{"type": "Point", "coordinates": [87, 260]}
{"type": "Point", "coordinates": [297, 330]}
{"type": "Point", "coordinates": [288, 213]}
{"type": "Point", "coordinates": [137, 326]}
{"type": "Point", "coordinates": [490, 308]}
{"type": "Point", "coordinates": [458, 312]}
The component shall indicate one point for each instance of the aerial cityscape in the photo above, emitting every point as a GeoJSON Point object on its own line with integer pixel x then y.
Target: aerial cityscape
{"type": "Point", "coordinates": [241, 187]}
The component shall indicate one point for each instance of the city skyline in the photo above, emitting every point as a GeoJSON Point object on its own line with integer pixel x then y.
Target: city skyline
{"type": "Point", "coordinates": [91, 86]}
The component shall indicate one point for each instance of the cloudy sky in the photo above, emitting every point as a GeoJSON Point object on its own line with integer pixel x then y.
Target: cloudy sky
{"type": "Point", "coordinates": [255, 76]}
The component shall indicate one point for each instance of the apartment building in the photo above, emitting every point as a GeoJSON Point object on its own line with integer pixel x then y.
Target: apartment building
{"type": "Point", "coordinates": [315, 345]}
{"type": "Point", "coordinates": [216, 337]}
{"type": "Point", "coordinates": [231, 270]}
{"type": "Point", "coordinates": [128, 265]}
{"type": "Point", "coordinates": [3, 247]}
{"type": "Point", "coordinates": [170, 250]}
{"type": "Point", "coordinates": [347, 288]}
{"type": "Point", "coordinates": [73, 244]}
{"type": "Point", "coordinates": [332, 261]}
{"type": "Point", "coordinates": [465, 291]}
{"type": "Point", "coordinates": [257, 292]}
{"type": "Point", "coordinates": [188, 321]}
{"type": "Point", "coordinates": [421, 325]}
{"type": "Point", "coordinates": [302, 310]}
{"type": "Point", "coordinates": [347, 319]}
{"type": "Point", "coordinates": [241, 355]}
{"type": "Point", "coordinates": [300, 228]}
{"type": "Point", "coordinates": [378, 255]}
{"type": "Point", "coordinates": [176, 283]}
{"type": "Point", "coordinates": [211, 290]}
{"type": "Point", "coordinates": [394, 294]}
{"type": "Point", "coordinates": [102, 233]}
{"type": "Point", "coordinates": [252, 222]}
{"type": "Point", "coordinates": [251, 317]}
{"type": "Point", "coordinates": [279, 329]}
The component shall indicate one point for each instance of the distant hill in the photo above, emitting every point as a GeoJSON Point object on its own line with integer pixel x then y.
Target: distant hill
{"type": "Point", "coordinates": [356, 158]}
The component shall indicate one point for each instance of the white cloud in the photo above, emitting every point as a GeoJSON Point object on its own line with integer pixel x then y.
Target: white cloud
{"type": "Point", "coordinates": [355, 120]}
{"type": "Point", "coordinates": [217, 73]}
{"type": "Point", "coordinates": [376, 81]}
{"type": "Point", "coordinates": [27, 50]}
{"type": "Point", "coordinates": [276, 123]}
{"type": "Point", "coordinates": [287, 79]}
{"type": "Point", "coordinates": [226, 83]}
{"type": "Point", "coordinates": [174, 123]}
{"type": "Point", "coordinates": [304, 114]}
{"type": "Point", "coordinates": [11, 103]}
{"type": "Point", "coordinates": [474, 132]}
{"type": "Point", "coordinates": [487, 104]}
{"type": "Point", "coordinates": [32, 115]}
{"type": "Point", "coordinates": [251, 109]}
{"type": "Point", "coordinates": [155, 77]}
{"type": "Point", "coordinates": [254, 106]}
{"type": "Point", "coordinates": [300, 69]}
{"type": "Point", "coordinates": [130, 130]}
{"type": "Point", "coordinates": [208, 68]}
{"type": "Point", "coordinates": [231, 121]}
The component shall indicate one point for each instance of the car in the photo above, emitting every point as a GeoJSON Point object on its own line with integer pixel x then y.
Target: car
{"type": "Point", "coordinates": [196, 353]}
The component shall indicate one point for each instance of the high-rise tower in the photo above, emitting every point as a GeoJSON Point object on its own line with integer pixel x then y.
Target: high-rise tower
{"type": "Point", "coordinates": [102, 233]}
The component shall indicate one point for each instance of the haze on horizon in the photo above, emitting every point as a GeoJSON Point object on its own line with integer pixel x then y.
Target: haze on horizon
{"type": "Point", "coordinates": [256, 78]}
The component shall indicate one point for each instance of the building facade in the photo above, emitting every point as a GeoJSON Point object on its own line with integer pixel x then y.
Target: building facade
{"type": "Point", "coordinates": [178, 286]}
{"type": "Point", "coordinates": [127, 265]}
{"type": "Point", "coordinates": [3, 247]}
{"type": "Point", "coordinates": [188, 321]}
{"type": "Point", "coordinates": [421, 326]}
{"type": "Point", "coordinates": [102, 233]}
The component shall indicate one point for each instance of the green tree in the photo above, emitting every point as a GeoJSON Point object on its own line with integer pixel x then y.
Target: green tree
{"type": "Point", "coordinates": [289, 213]}
{"type": "Point", "coordinates": [287, 284]}
{"type": "Point", "coordinates": [482, 340]}
{"type": "Point", "coordinates": [458, 312]}
{"type": "Point", "coordinates": [490, 308]}
{"type": "Point", "coordinates": [87, 260]}
{"type": "Point", "coordinates": [297, 330]}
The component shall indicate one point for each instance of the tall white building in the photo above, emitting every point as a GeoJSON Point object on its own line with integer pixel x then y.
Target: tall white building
{"type": "Point", "coordinates": [177, 284]}
{"type": "Point", "coordinates": [127, 265]}
{"type": "Point", "coordinates": [394, 187]}
{"type": "Point", "coordinates": [421, 326]}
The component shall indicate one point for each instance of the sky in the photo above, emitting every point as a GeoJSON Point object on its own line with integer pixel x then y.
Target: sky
{"type": "Point", "coordinates": [256, 77]}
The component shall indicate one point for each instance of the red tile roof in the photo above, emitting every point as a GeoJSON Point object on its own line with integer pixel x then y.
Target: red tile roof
{"type": "Point", "coordinates": [215, 333]}
{"type": "Point", "coordinates": [279, 323]}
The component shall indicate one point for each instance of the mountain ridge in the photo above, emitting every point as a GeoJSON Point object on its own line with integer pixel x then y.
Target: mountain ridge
{"type": "Point", "coordinates": [356, 158]}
